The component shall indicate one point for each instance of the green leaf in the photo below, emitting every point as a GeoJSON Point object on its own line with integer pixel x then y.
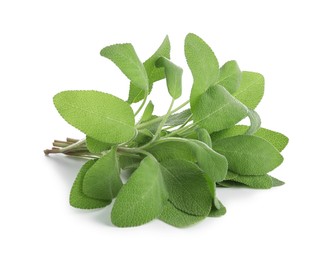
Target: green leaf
{"type": "Point", "coordinates": [143, 136]}
{"type": "Point", "coordinates": [230, 76]}
{"type": "Point", "coordinates": [154, 73]}
{"type": "Point", "coordinates": [95, 146]}
{"type": "Point", "coordinates": [254, 122]}
{"type": "Point", "coordinates": [203, 65]}
{"type": "Point", "coordinates": [251, 89]}
{"type": "Point", "coordinates": [125, 57]}
{"type": "Point", "coordinates": [78, 199]}
{"type": "Point", "coordinates": [217, 210]}
{"type": "Point", "coordinates": [212, 163]}
{"type": "Point", "coordinates": [255, 181]}
{"type": "Point", "coordinates": [278, 140]}
{"type": "Point", "coordinates": [142, 198]}
{"type": "Point", "coordinates": [248, 155]}
{"type": "Point", "coordinates": [187, 187]}
{"type": "Point", "coordinates": [276, 182]}
{"type": "Point", "coordinates": [148, 112]}
{"type": "Point", "coordinates": [102, 180]}
{"type": "Point", "coordinates": [173, 75]}
{"type": "Point", "coordinates": [177, 218]}
{"type": "Point", "coordinates": [101, 116]}
{"type": "Point", "coordinates": [178, 118]}
{"type": "Point", "coordinates": [216, 109]}
{"type": "Point", "coordinates": [204, 136]}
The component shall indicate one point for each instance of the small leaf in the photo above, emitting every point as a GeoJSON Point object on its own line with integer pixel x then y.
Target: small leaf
{"type": "Point", "coordinates": [154, 74]}
{"type": "Point", "coordinates": [187, 187]}
{"type": "Point", "coordinates": [102, 180]}
{"type": "Point", "coordinates": [203, 65]}
{"type": "Point", "coordinates": [142, 198]}
{"type": "Point", "coordinates": [230, 76]}
{"type": "Point", "coordinates": [217, 210]}
{"type": "Point", "coordinates": [173, 75]}
{"type": "Point", "coordinates": [254, 122]}
{"type": "Point", "coordinates": [95, 146]}
{"type": "Point", "coordinates": [212, 163]}
{"type": "Point", "coordinates": [78, 199]}
{"type": "Point", "coordinates": [178, 118]}
{"type": "Point", "coordinates": [248, 155]}
{"type": "Point", "coordinates": [216, 109]}
{"type": "Point", "coordinates": [177, 218]}
{"type": "Point", "coordinates": [125, 57]}
{"type": "Point", "coordinates": [148, 112]}
{"type": "Point", "coordinates": [278, 140]}
{"type": "Point", "coordinates": [276, 182]}
{"type": "Point", "coordinates": [251, 89]}
{"type": "Point", "coordinates": [204, 136]}
{"type": "Point", "coordinates": [101, 116]}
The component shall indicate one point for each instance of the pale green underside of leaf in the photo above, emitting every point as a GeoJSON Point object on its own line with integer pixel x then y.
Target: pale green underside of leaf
{"type": "Point", "coordinates": [230, 76]}
{"type": "Point", "coordinates": [204, 136]}
{"type": "Point", "coordinates": [177, 218]}
{"type": "Point", "coordinates": [101, 116]}
{"type": "Point", "coordinates": [212, 163]}
{"type": "Point", "coordinates": [95, 146]}
{"type": "Point", "coordinates": [248, 155]}
{"type": "Point", "coordinates": [142, 198]}
{"type": "Point", "coordinates": [187, 187]}
{"type": "Point", "coordinates": [217, 109]}
{"type": "Point", "coordinates": [125, 57]}
{"type": "Point", "coordinates": [278, 140]}
{"type": "Point", "coordinates": [251, 89]}
{"type": "Point", "coordinates": [203, 65]}
{"type": "Point", "coordinates": [77, 198]}
{"type": "Point", "coordinates": [255, 122]}
{"type": "Point", "coordinates": [154, 74]}
{"type": "Point", "coordinates": [102, 180]}
{"type": "Point", "coordinates": [173, 75]}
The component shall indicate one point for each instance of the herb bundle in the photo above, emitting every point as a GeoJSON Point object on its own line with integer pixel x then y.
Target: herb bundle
{"type": "Point", "coordinates": [174, 161]}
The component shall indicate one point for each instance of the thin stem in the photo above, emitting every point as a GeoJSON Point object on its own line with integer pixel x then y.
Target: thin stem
{"type": "Point", "coordinates": [133, 150]}
{"type": "Point", "coordinates": [67, 148]}
{"type": "Point", "coordinates": [186, 122]}
{"type": "Point", "coordinates": [158, 119]}
{"type": "Point", "coordinates": [158, 130]}
{"type": "Point", "coordinates": [180, 130]}
{"type": "Point", "coordinates": [142, 104]}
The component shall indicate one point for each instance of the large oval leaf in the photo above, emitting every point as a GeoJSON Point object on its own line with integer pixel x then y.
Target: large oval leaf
{"type": "Point", "coordinates": [143, 197]}
{"type": "Point", "coordinates": [248, 155]}
{"type": "Point", "coordinates": [101, 116]}
{"type": "Point", "coordinates": [217, 109]}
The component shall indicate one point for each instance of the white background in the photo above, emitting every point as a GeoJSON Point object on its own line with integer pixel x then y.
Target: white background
{"type": "Point", "coordinates": [50, 46]}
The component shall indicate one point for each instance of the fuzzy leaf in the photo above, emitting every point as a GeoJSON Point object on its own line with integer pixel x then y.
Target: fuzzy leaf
{"type": "Point", "coordinates": [248, 155]}
{"type": "Point", "coordinates": [254, 122]}
{"type": "Point", "coordinates": [78, 199]}
{"type": "Point", "coordinates": [187, 187]}
{"type": "Point", "coordinates": [177, 218]}
{"type": "Point", "coordinates": [251, 89]}
{"type": "Point", "coordinates": [204, 136]}
{"type": "Point", "coordinates": [142, 198]}
{"type": "Point", "coordinates": [276, 182]}
{"type": "Point", "coordinates": [125, 57]}
{"type": "Point", "coordinates": [216, 109]}
{"type": "Point", "coordinates": [278, 140]}
{"type": "Point", "coordinates": [230, 76]}
{"type": "Point", "coordinates": [95, 146]}
{"type": "Point", "coordinates": [255, 181]}
{"type": "Point", "coordinates": [154, 74]}
{"type": "Point", "coordinates": [101, 116]}
{"type": "Point", "coordinates": [173, 75]}
{"type": "Point", "coordinates": [102, 180]}
{"type": "Point", "coordinates": [178, 118]}
{"type": "Point", "coordinates": [203, 65]}
{"type": "Point", "coordinates": [217, 210]}
{"type": "Point", "coordinates": [148, 112]}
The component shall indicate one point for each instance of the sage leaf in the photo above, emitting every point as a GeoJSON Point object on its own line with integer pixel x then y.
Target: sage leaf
{"type": "Point", "coordinates": [255, 181]}
{"type": "Point", "coordinates": [177, 218]}
{"type": "Point", "coordinates": [254, 122]}
{"type": "Point", "coordinates": [251, 89]}
{"type": "Point", "coordinates": [125, 57]}
{"type": "Point", "coordinates": [203, 65]}
{"type": "Point", "coordinates": [278, 140]}
{"type": "Point", "coordinates": [173, 75]}
{"type": "Point", "coordinates": [101, 116]}
{"type": "Point", "coordinates": [248, 155]}
{"type": "Point", "coordinates": [142, 198]}
{"type": "Point", "coordinates": [102, 180]}
{"type": "Point", "coordinates": [154, 74]}
{"type": "Point", "coordinates": [204, 136]}
{"type": "Point", "coordinates": [78, 199]}
{"type": "Point", "coordinates": [276, 182]}
{"type": "Point", "coordinates": [216, 109]}
{"type": "Point", "coordinates": [148, 112]}
{"type": "Point", "coordinates": [187, 187]}
{"type": "Point", "coordinates": [178, 118]}
{"type": "Point", "coordinates": [95, 146]}
{"type": "Point", "coordinates": [230, 76]}
{"type": "Point", "coordinates": [217, 210]}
